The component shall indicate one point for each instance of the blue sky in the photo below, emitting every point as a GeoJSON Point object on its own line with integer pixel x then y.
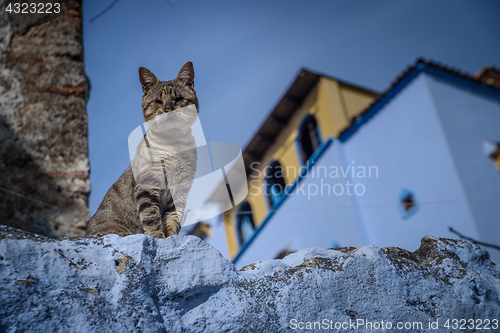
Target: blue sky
{"type": "Point", "coordinates": [246, 53]}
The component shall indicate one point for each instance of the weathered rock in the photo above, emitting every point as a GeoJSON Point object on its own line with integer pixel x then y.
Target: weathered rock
{"type": "Point", "coordinates": [44, 184]}
{"type": "Point", "coordinates": [181, 284]}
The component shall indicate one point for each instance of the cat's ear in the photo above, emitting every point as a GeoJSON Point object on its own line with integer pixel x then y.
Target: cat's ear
{"type": "Point", "coordinates": [186, 74]}
{"type": "Point", "coordinates": [147, 78]}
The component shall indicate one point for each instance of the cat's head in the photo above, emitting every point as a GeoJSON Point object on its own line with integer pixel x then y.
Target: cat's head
{"type": "Point", "coordinates": [166, 96]}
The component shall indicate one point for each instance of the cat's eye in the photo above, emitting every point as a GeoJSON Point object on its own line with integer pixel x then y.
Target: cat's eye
{"type": "Point", "coordinates": [159, 101]}
{"type": "Point", "coordinates": [178, 100]}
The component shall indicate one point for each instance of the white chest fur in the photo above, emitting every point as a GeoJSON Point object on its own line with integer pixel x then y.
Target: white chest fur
{"type": "Point", "coordinates": [166, 156]}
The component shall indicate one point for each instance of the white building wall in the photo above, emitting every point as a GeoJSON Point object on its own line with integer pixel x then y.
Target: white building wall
{"type": "Point", "coordinates": [405, 140]}
{"type": "Point", "coordinates": [309, 217]}
{"type": "Point", "coordinates": [469, 116]}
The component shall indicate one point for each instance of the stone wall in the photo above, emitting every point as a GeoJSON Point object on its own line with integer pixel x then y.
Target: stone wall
{"type": "Point", "coordinates": [44, 183]}
{"type": "Point", "coordinates": [182, 284]}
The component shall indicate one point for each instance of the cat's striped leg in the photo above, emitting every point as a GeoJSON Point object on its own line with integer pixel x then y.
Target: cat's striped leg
{"type": "Point", "coordinates": [148, 207]}
{"type": "Point", "coordinates": [171, 220]}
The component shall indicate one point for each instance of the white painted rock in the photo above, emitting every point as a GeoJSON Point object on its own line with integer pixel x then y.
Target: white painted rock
{"type": "Point", "coordinates": [181, 284]}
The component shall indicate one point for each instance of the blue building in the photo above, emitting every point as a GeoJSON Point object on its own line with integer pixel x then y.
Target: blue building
{"type": "Point", "coordinates": [421, 158]}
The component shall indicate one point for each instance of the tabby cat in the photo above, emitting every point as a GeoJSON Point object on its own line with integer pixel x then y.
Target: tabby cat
{"type": "Point", "coordinates": [141, 202]}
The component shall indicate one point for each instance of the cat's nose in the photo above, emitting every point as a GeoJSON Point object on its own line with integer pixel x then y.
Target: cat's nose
{"type": "Point", "coordinates": [168, 107]}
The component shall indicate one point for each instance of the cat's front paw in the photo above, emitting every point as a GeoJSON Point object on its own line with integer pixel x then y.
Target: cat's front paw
{"type": "Point", "coordinates": [173, 229]}
{"type": "Point", "coordinates": [156, 234]}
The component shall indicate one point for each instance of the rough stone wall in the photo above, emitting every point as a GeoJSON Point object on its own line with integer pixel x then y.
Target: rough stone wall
{"type": "Point", "coordinates": [182, 284]}
{"type": "Point", "coordinates": [44, 179]}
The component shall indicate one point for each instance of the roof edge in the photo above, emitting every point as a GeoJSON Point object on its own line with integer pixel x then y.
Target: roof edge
{"type": "Point", "coordinates": [401, 81]}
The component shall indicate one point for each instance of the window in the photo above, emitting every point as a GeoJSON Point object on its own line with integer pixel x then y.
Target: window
{"type": "Point", "coordinates": [408, 204]}
{"type": "Point", "coordinates": [309, 138]}
{"type": "Point", "coordinates": [244, 222]}
{"type": "Point", "coordinates": [335, 245]}
{"type": "Point", "coordinates": [201, 230]}
{"type": "Point", "coordinates": [492, 150]}
{"type": "Point", "coordinates": [274, 183]}
{"type": "Point", "coordinates": [283, 253]}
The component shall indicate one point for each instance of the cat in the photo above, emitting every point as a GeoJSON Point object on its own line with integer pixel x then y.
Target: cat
{"type": "Point", "coordinates": [150, 198]}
